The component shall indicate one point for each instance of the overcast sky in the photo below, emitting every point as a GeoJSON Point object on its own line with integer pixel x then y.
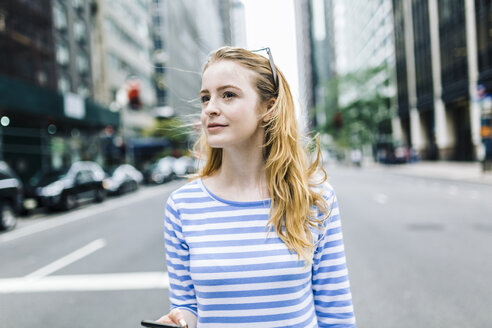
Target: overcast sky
{"type": "Point", "coordinates": [271, 23]}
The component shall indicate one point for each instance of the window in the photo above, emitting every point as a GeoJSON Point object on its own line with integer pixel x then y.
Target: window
{"type": "Point", "coordinates": [79, 30]}
{"type": "Point", "coordinates": [157, 43]}
{"type": "Point", "coordinates": [42, 77]}
{"type": "Point", "coordinates": [59, 16]}
{"type": "Point", "coordinates": [64, 84]}
{"type": "Point", "coordinates": [78, 4]}
{"type": "Point", "coordinates": [62, 53]}
{"type": "Point", "coordinates": [82, 63]}
{"type": "Point", "coordinates": [83, 90]}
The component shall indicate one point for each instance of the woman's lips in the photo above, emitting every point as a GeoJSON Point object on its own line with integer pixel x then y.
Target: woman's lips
{"type": "Point", "coordinates": [215, 127]}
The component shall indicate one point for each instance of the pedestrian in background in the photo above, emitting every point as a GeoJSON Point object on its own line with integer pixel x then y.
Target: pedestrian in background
{"type": "Point", "coordinates": [254, 240]}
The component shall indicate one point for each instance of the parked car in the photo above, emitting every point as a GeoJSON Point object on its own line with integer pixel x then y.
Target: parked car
{"type": "Point", "coordinates": [65, 188]}
{"type": "Point", "coordinates": [122, 179]}
{"type": "Point", "coordinates": [11, 197]}
{"type": "Point", "coordinates": [183, 165]}
{"type": "Point", "coordinates": [160, 171]}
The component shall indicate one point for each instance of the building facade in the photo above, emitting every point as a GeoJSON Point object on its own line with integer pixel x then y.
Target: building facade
{"type": "Point", "coordinates": [238, 24]}
{"type": "Point", "coordinates": [123, 70]}
{"type": "Point", "coordinates": [365, 50]}
{"type": "Point", "coordinates": [305, 62]}
{"type": "Point", "coordinates": [48, 118]}
{"type": "Point", "coordinates": [188, 31]}
{"type": "Point", "coordinates": [324, 59]}
{"type": "Point", "coordinates": [71, 21]}
{"type": "Point", "coordinates": [439, 70]}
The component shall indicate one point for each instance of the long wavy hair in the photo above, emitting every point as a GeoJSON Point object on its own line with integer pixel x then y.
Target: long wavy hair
{"type": "Point", "coordinates": [290, 174]}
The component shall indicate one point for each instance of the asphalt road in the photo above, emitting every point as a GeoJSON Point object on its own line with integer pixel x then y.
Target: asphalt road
{"type": "Point", "coordinates": [419, 250]}
{"type": "Point", "coordinates": [101, 265]}
{"type": "Point", "coordinates": [419, 253]}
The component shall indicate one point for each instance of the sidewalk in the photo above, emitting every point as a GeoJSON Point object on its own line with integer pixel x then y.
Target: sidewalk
{"type": "Point", "coordinates": [457, 171]}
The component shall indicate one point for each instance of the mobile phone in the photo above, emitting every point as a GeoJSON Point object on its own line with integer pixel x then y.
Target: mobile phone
{"type": "Point", "coordinates": [153, 324]}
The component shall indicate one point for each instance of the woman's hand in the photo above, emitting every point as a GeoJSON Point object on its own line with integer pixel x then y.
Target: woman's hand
{"type": "Point", "coordinates": [176, 316]}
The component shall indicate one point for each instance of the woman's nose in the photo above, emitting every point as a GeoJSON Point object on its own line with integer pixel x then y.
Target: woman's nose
{"type": "Point", "coordinates": [211, 108]}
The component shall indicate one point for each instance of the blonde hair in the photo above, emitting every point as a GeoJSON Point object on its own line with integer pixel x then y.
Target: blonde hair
{"type": "Point", "coordinates": [289, 175]}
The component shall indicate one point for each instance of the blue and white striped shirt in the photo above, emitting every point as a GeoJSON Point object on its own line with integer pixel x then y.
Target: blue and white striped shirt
{"type": "Point", "coordinates": [230, 270]}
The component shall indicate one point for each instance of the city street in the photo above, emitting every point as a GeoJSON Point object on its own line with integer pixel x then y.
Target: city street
{"type": "Point", "coordinates": [99, 266]}
{"type": "Point", "coordinates": [418, 249]}
{"type": "Point", "coordinates": [418, 252]}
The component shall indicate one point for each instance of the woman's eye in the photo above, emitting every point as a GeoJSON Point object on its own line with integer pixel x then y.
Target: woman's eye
{"type": "Point", "coordinates": [205, 99]}
{"type": "Point", "coordinates": [229, 94]}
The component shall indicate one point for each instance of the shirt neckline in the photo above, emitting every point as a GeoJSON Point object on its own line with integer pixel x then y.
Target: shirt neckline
{"type": "Point", "coordinates": [265, 202]}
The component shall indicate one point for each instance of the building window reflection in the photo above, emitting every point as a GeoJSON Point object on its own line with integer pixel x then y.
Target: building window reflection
{"type": "Point", "coordinates": [59, 16]}
{"type": "Point", "coordinates": [82, 63]}
{"type": "Point", "coordinates": [79, 30]}
{"type": "Point", "coordinates": [63, 84]}
{"type": "Point", "coordinates": [62, 53]}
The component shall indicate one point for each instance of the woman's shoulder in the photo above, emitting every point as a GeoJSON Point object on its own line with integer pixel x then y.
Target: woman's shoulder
{"type": "Point", "coordinates": [189, 190]}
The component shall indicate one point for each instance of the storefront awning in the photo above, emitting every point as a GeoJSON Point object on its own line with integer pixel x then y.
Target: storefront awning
{"type": "Point", "coordinates": [25, 98]}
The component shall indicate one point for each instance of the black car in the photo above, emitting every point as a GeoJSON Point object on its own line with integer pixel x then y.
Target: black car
{"type": "Point", "coordinates": [65, 188]}
{"type": "Point", "coordinates": [11, 197]}
{"type": "Point", "coordinates": [122, 179]}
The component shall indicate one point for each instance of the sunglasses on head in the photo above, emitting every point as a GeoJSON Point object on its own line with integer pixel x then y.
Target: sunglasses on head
{"type": "Point", "coordinates": [272, 64]}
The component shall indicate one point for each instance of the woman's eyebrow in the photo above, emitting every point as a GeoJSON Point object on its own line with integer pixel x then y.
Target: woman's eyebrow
{"type": "Point", "coordinates": [227, 86]}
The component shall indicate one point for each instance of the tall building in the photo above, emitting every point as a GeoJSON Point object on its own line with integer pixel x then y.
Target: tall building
{"type": "Point", "coordinates": [441, 61]}
{"type": "Point", "coordinates": [364, 41]}
{"type": "Point", "coordinates": [324, 59]}
{"type": "Point", "coordinates": [26, 42]}
{"type": "Point", "coordinates": [122, 65]}
{"type": "Point", "coordinates": [304, 40]}
{"type": "Point", "coordinates": [47, 117]}
{"type": "Point", "coordinates": [238, 24]}
{"type": "Point", "coordinates": [364, 34]}
{"type": "Point", "coordinates": [159, 55]}
{"type": "Point", "coordinates": [71, 21]}
{"type": "Point", "coordinates": [188, 32]}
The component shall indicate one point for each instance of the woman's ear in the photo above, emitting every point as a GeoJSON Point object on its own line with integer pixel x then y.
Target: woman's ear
{"type": "Point", "coordinates": [268, 115]}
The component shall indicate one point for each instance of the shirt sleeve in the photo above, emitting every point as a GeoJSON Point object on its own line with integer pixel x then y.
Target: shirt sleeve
{"type": "Point", "coordinates": [181, 289]}
{"type": "Point", "coordinates": [331, 287]}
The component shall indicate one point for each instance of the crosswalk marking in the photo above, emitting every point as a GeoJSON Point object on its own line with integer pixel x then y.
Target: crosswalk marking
{"type": "Point", "coordinates": [89, 282]}
{"type": "Point", "coordinates": [68, 259]}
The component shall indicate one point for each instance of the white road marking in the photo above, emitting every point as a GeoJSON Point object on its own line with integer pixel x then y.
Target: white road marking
{"type": "Point", "coordinates": [90, 282]}
{"type": "Point", "coordinates": [381, 198]}
{"type": "Point", "coordinates": [68, 259]}
{"type": "Point", "coordinates": [79, 215]}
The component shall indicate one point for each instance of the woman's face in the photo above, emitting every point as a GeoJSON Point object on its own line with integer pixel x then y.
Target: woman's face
{"type": "Point", "coordinates": [231, 107]}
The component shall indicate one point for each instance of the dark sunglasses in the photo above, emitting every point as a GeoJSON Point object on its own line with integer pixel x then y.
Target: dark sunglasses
{"type": "Point", "coordinates": [272, 64]}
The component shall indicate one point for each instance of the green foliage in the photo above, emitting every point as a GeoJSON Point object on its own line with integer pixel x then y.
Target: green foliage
{"type": "Point", "coordinates": [172, 128]}
{"type": "Point", "coordinates": [363, 107]}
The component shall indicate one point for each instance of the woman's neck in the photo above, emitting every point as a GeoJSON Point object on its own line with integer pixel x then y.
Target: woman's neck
{"type": "Point", "coordinates": [241, 176]}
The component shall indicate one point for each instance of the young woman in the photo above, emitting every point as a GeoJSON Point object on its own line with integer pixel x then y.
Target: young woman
{"type": "Point", "coordinates": [255, 239]}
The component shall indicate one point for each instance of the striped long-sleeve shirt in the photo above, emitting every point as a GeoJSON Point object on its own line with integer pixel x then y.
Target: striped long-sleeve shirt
{"type": "Point", "coordinates": [228, 268]}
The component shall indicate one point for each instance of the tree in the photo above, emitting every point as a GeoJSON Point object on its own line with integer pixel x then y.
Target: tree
{"type": "Point", "coordinates": [172, 129]}
{"type": "Point", "coordinates": [363, 112]}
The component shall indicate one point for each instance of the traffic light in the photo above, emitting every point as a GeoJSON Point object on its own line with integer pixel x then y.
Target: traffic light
{"type": "Point", "coordinates": [133, 91]}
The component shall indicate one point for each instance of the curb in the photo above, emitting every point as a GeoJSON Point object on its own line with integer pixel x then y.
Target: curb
{"type": "Point", "coordinates": [457, 172]}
